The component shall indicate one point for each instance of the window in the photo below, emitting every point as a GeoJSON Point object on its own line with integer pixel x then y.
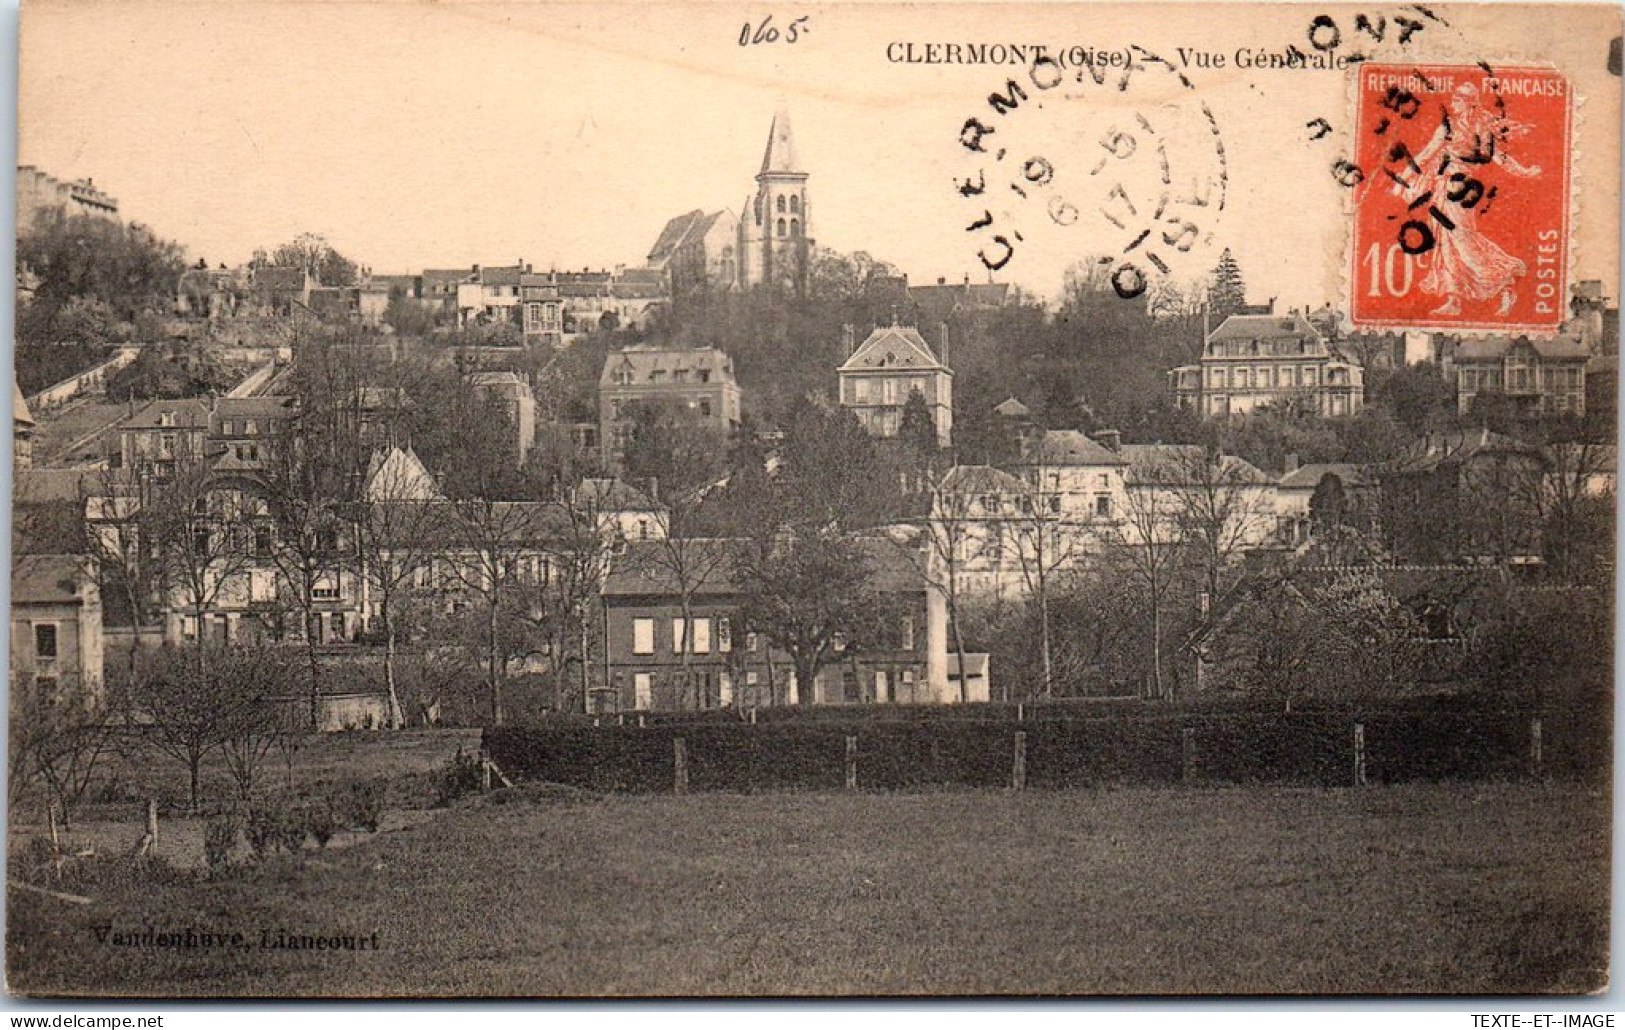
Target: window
{"type": "Point", "coordinates": [795, 227]}
{"type": "Point", "coordinates": [905, 633]}
{"type": "Point", "coordinates": [226, 427]}
{"type": "Point", "coordinates": [677, 635]}
{"type": "Point", "coordinates": [45, 640]}
{"type": "Point", "coordinates": [1055, 504]}
{"type": "Point", "coordinates": [752, 678]}
{"type": "Point", "coordinates": [703, 375]}
{"type": "Point", "coordinates": [657, 376]}
{"type": "Point", "coordinates": [642, 689]}
{"type": "Point", "coordinates": [166, 445]}
{"type": "Point", "coordinates": [251, 428]}
{"type": "Point", "coordinates": [795, 205]}
{"type": "Point", "coordinates": [995, 542]}
{"type": "Point", "coordinates": [779, 205]}
{"type": "Point", "coordinates": [643, 636]}
{"type": "Point", "coordinates": [1105, 481]}
{"type": "Point", "coordinates": [335, 624]}
{"type": "Point", "coordinates": [324, 590]}
{"type": "Point", "coordinates": [1103, 506]}
{"type": "Point", "coordinates": [262, 541]}
{"type": "Point", "coordinates": [839, 642]}
{"type": "Point", "coordinates": [750, 642]}
{"type": "Point", "coordinates": [725, 636]}
{"type": "Point", "coordinates": [705, 409]}
{"type": "Point", "coordinates": [680, 376]}
{"type": "Point", "coordinates": [781, 227]}
{"type": "Point", "coordinates": [702, 636]}
{"type": "Point", "coordinates": [166, 418]}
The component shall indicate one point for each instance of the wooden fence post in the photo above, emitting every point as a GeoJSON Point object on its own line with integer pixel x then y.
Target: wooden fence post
{"type": "Point", "coordinates": [1537, 757]}
{"type": "Point", "coordinates": [1359, 754]}
{"type": "Point", "coordinates": [1187, 754]}
{"type": "Point", "coordinates": [152, 820]}
{"type": "Point", "coordinates": [1018, 771]}
{"type": "Point", "coordinates": [1021, 712]}
{"type": "Point", "coordinates": [851, 763]}
{"type": "Point", "coordinates": [753, 717]}
{"type": "Point", "coordinates": [679, 755]}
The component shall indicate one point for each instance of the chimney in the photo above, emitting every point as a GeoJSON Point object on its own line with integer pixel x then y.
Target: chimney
{"type": "Point", "coordinates": [1291, 463]}
{"type": "Point", "coordinates": [942, 280]}
{"type": "Point", "coordinates": [1110, 439]}
{"type": "Point", "coordinates": [654, 489]}
{"type": "Point", "coordinates": [476, 269]}
{"type": "Point", "coordinates": [850, 338]}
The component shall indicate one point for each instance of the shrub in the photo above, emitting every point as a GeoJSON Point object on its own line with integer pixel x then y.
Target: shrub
{"type": "Point", "coordinates": [220, 836]}
{"type": "Point", "coordinates": [363, 805]}
{"type": "Point", "coordinates": [462, 774]}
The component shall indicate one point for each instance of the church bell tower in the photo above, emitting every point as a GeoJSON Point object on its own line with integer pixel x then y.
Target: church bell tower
{"type": "Point", "coordinates": [775, 234]}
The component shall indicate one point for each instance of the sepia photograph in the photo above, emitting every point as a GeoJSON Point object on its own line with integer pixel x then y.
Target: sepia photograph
{"type": "Point", "coordinates": [924, 500]}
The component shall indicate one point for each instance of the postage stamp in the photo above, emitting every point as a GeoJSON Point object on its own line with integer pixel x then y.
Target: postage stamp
{"type": "Point", "coordinates": [1461, 217]}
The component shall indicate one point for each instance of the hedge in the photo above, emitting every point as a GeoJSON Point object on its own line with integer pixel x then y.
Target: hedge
{"type": "Point", "coordinates": [1307, 748]}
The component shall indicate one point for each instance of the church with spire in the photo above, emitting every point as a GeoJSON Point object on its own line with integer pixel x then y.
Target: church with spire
{"type": "Point", "coordinates": [775, 227]}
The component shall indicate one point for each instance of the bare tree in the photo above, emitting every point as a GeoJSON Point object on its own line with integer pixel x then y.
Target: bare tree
{"type": "Point", "coordinates": [200, 537]}
{"type": "Point", "coordinates": [685, 462]}
{"type": "Point", "coordinates": [814, 598]}
{"type": "Point", "coordinates": [55, 740]}
{"type": "Point", "coordinates": [499, 552]}
{"type": "Point", "coordinates": [397, 526]}
{"type": "Point", "coordinates": [1046, 543]}
{"type": "Point", "coordinates": [1148, 541]}
{"type": "Point", "coordinates": [125, 562]}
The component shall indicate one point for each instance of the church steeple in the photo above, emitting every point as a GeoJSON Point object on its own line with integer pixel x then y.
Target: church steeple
{"type": "Point", "coordinates": [781, 147]}
{"type": "Point", "coordinates": [775, 231]}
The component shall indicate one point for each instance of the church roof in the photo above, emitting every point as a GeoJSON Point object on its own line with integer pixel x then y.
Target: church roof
{"type": "Point", "coordinates": [780, 155]}
{"type": "Point", "coordinates": [679, 231]}
{"type": "Point", "coordinates": [893, 346]}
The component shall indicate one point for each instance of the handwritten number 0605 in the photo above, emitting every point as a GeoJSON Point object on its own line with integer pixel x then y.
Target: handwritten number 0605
{"type": "Point", "coordinates": [767, 32]}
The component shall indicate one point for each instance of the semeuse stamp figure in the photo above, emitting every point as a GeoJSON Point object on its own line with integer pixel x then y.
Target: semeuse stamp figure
{"type": "Point", "coordinates": [1462, 218]}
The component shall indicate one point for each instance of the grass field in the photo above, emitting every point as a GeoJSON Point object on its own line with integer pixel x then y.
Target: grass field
{"type": "Point", "coordinates": [1426, 888]}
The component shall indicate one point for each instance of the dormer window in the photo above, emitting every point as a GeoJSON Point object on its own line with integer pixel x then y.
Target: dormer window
{"type": "Point", "coordinates": [166, 418]}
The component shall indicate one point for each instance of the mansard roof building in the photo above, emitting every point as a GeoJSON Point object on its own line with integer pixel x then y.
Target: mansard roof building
{"type": "Point", "coordinates": [1254, 361]}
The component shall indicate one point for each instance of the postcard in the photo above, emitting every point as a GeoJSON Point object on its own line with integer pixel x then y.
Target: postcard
{"type": "Point", "coordinates": [822, 499]}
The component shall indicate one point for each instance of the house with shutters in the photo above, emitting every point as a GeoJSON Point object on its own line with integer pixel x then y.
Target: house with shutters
{"type": "Point", "coordinates": [654, 658]}
{"type": "Point", "coordinates": [879, 374]}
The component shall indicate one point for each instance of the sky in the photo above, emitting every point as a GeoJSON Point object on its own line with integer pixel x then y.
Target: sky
{"type": "Point", "coordinates": [418, 135]}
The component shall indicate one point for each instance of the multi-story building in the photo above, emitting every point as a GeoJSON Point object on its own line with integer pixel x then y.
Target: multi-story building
{"type": "Point", "coordinates": [646, 637]}
{"type": "Point", "coordinates": [696, 381]}
{"type": "Point", "coordinates": [56, 630]}
{"type": "Point", "coordinates": [542, 310]}
{"type": "Point", "coordinates": [775, 229]}
{"type": "Point", "coordinates": [1541, 376]}
{"type": "Point", "coordinates": [163, 435]}
{"type": "Point", "coordinates": [38, 191]}
{"type": "Point", "coordinates": [1253, 361]}
{"type": "Point", "coordinates": [697, 251]}
{"type": "Point", "coordinates": [879, 374]}
{"type": "Point", "coordinates": [1463, 497]}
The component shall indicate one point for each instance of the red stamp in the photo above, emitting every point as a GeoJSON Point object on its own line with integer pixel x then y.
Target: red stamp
{"type": "Point", "coordinates": [1461, 212]}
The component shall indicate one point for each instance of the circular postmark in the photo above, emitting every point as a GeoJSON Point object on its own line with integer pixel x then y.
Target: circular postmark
{"type": "Point", "coordinates": [1110, 157]}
